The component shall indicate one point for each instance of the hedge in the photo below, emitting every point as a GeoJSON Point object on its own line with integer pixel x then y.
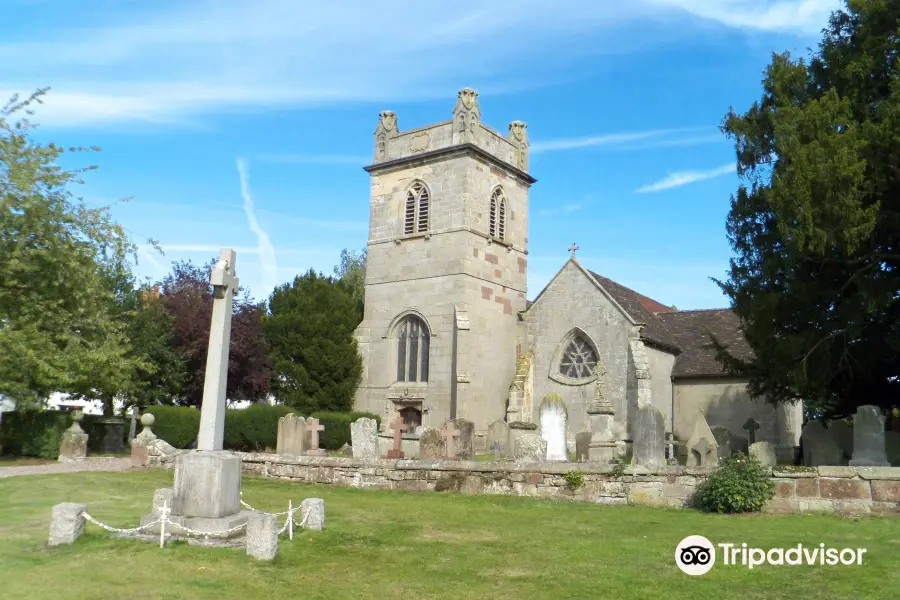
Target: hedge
{"type": "Point", "coordinates": [254, 429]}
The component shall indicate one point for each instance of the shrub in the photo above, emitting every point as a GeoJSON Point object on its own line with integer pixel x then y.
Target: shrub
{"type": "Point", "coordinates": [574, 480]}
{"type": "Point", "coordinates": [33, 432]}
{"type": "Point", "coordinates": [253, 429]}
{"type": "Point", "coordinates": [178, 425]}
{"type": "Point", "coordinates": [742, 484]}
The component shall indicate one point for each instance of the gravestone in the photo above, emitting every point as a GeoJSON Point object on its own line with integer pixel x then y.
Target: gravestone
{"type": "Point", "coordinates": [868, 438]}
{"type": "Point", "coordinates": [66, 523]}
{"type": "Point", "coordinates": [582, 446]}
{"type": "Point", "coordinates": [842, 433]}
{"type": "Point", "coordinates": [530, 447]}
{"type": "Point", "coordinates": [73, 445]}
{"type": "Point", "coordinates": [702, 446]}
{"type": "Point", "coordinates": [313, 510]}
{"type": "Point", "coordinates": [819, 448]}
{"type": "Point", "coordinates": [346, 451]}
{"type": "Point", "coordinates": [398, 427]}
{"type": "Point", "coordinates": [431, 444]}
{"type": "Point", "coordinates": [212, 413]}
{"type": "Point", "coordinates": [111, 434]}
{"type": "Point", "coordinates": [648, 449]}
{"type": "Point", "coordinates": [314, 428]}
{"type": "Point", "coordinates": [751, 426]}
{"type": "Point", "coordinates": [498, 431]}
{"type": "Point", "coordinates": [554, 417]}
{"type": "Point", "coordinates": [364, 438]}
{"type": "Point", "coordinates": [449, 434]}
{"type": "Point", "coordinates": [464, 446]}
{"type": "Point", "coordinates": [764, 453]}
{"type": "Point", "coordinates": [262, 536]}
{"type": "Point", "coordinates": [293, 438]}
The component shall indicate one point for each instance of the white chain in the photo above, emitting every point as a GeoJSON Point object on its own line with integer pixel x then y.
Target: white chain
{"type": "Point", "coordinates": [205, 533]}
{"type": "Point", "coordinates": [116, 529]}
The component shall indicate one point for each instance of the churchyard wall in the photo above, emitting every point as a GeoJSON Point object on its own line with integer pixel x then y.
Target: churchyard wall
{"type": "Point", "coordinates": [846, 491]}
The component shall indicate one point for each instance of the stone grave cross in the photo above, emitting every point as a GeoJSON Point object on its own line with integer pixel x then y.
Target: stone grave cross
{"type": "Point", "coordinates": [449, 433]}
{"type": "Point", "coordinates": [212, 411]}
{"type": "Point", "coordinates": [703, 450]}
{"type": "Point", "coordinates": [313, 427]}
{"type": "Point", "coordinates": [399, 427]}
{"type": "Point", "coordinates": [751, 426]}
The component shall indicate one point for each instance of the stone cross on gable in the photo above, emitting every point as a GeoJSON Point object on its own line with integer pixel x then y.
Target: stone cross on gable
{"type": "Point", "coordinates": [751, 426]}
{"type": "Point", "coordinates": [212, 411]}
{"type": "Point", "coordinates": [449, 433]}
{"type": "Point", "coordinates": [573, 249]}
{"type": "Point", "coordinates": [399, 427]}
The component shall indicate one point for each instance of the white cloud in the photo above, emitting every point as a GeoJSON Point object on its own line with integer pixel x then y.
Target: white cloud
{"type": "Point", "coordinates": [609, 139]}
{"type": "Point", "coordinates": [803, 16]}
{"type": "Point", "coordinates": [324, 159]}
{"type": "Point", "coordinates": [168, 62]}
{"type": "Point", "coordinates": [681, 178]}
{"type": "Point", "coordinates": [266, 249]}
{"type": "Point", "coordinates": [568, 208]}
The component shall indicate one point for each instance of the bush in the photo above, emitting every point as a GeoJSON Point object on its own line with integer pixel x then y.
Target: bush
{"type": "Point", "coordinates": [33, 432]}
{"type": "Point", "coordinates": [253, 429]}
{"type": "Point", "coordinates": [178, 425]}
{"type": "Point", "coordinates": [742, 484]}
{"type": "Point", "coordinates": [574, 480]}
{"type": "Point", "coordinates": [337, 427]}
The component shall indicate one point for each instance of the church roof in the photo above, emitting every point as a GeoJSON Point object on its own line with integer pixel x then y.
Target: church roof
{"type": "Point", "coordinates": [685, 331]}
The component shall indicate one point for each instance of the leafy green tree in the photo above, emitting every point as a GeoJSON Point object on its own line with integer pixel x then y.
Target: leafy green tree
{"type": "Point", "coordinates": [310, 331]}
{"type": "Point", "coordinates": [352, 271]}
{"type": "Point", "coordinates": [188, 297]}
{"type": "Point", "coordinates": [59, 329]}
{"type": "Point", "coordinates": [816, 224]}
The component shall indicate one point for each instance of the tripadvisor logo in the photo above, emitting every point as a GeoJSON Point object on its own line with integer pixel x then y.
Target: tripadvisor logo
{"type": "Point", "coordinates": [696, 555]}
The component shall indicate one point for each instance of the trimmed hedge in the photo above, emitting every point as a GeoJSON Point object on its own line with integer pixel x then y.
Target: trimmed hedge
{"type": "Point", "coordinates": [253, 429]}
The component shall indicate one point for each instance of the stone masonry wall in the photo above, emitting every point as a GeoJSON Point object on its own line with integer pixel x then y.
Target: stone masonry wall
{"type": "Point", "coordinates": [846, 491]}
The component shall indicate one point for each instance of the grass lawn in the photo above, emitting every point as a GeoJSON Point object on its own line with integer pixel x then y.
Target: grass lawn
{"type": "Point", "coordinates": [423, 545]}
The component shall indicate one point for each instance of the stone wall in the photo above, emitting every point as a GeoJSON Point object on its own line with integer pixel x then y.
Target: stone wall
{"type": "Point", "coordinates": [846, 491]}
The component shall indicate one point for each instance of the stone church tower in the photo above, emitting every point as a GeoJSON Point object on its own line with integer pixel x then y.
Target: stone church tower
{"type": "Point", "coordinates": [446, 269]}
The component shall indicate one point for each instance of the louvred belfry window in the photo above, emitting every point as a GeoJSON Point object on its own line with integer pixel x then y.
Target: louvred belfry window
{"type": "Point", "coordinates": [417, 206]}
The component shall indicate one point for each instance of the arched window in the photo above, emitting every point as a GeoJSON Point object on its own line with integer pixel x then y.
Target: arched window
{"type": "Point", "coordinates": [578, 360]}
{"type": "Point", "coordinates": [497, 221]}
{"type": "Point", "coordinates": [416, 217]}
{"type": "Point", "coordinates": [412, 350]}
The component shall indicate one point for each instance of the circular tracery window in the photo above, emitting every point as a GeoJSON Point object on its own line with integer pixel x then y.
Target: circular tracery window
{"type": "Point", "coordinates": [579, 359]}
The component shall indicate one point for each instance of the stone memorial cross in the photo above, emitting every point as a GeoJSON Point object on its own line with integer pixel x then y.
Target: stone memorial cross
{"type": "Point", "coordinates": [313, 427]}
{"type": "Point", "coordinates": [212, 412]}
{"type": "Point", "coordinates": [399, 427]}
{"type": "Point", "coordinates": [751, 426]}
{"type": "Point", "coordinates": [573, 249]}
{"type": "Point", "coordinates": [449, 433]}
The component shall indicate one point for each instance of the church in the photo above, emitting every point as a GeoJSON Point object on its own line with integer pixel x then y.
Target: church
{"type": "Point", "coordinates": [448, 332]}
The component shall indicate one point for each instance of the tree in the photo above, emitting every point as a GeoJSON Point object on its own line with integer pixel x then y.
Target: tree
{"type": "Point", "coordinates": [59, 259]}
{"type": "Point", "coordinates": [188, 297]}
{"type": "Point", "coordinates": [310, 330]}
{"type": "Point", "coordinates": [816, 224]}
{"type": "Point", "coordinates": [352, 271]}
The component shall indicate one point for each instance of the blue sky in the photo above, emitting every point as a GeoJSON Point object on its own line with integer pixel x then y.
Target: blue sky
{"type": "Point", "coordinates": [246, 124]}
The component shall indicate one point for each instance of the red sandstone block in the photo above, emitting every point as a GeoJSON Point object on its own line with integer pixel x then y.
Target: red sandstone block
{"type": "Point", "coordinates": [498, 273]}
{"type": "Point", "coordinates": [886, 491]}
{"type": "Point", "coordinates": [486, 292]}
{"type": "Point", "coordinates": [491, 258]}
{"type": "Point", "coordinates": [807, 488]}
{"type": "Point", "coordinates": [534, 478]}
{"type": "Point", "coordinates": [784, 489]}
{"type": "Point", "coordinates": [498, 173]}
{"type": "Point", "coordinates": [844, 489]}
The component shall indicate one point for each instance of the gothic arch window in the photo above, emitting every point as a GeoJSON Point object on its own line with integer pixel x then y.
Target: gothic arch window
{"type": "Point", "coordinates": [417, 205]}
{"type": "Point", "coordinates": [413, 343]}
{"type": "Point", "coordinates": [576, 359]}
{"type": "Point", "coordinates": [497, 220]}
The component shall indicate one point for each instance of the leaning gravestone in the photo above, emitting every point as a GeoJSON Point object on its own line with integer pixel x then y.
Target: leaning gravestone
{"type": "Point", "coordinates": [530, 447]}
{"type": "Point", "coordinates": [431, 444]}
{"type": "Point", "coordinates": [819, 448]}
{"type": "Point", "coordinates": [293, 438]}
{"type": "Point", "coordinates": [464, 445]}
{"type": "Point", "coordinates": [701, 446]}
{"type": "Point", "coordinates": [582, 446]}
{"type": "Point", "coordinates": [74, 441]}
{"type": "Point", "coordinates": [649, 445]}
{"type": "Point", "coordinates": [554, 417]}
{"type": "Point", "coordinates": [764, 452]}
{"type": "Point", "coordinates": [364, 438]}
{"type": "Point", "coordinates": [868, 438]}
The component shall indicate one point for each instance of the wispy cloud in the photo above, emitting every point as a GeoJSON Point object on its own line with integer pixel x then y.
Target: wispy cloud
{"type": "Point", "coordinates": [633, 140]}
{"type": "Point", "coordinates": [681, 178]}
{"type": "Point", "coordinates": [266, 249]}
{"type": "Point", "coordinates": [162, 62]}
{"type": "Point", "coordinates": [568, 208]}
{"type": "Point", "coordinates": [213, 250]}
{"type": "Point", "coordinates": [805, 16]}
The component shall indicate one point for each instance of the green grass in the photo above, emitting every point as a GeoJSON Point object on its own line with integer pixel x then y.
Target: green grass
{"type": "Point", "coordinates": [422, 545]}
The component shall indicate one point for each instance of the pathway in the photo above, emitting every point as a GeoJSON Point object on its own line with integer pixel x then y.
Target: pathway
{"type": "Point", "coordinates": [98, 463]}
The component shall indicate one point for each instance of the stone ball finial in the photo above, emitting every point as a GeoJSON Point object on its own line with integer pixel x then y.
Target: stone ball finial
{"type": "Point", "coordinates": [77, 416]}
{"type": "Point", "coordinates": [147, 419]}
